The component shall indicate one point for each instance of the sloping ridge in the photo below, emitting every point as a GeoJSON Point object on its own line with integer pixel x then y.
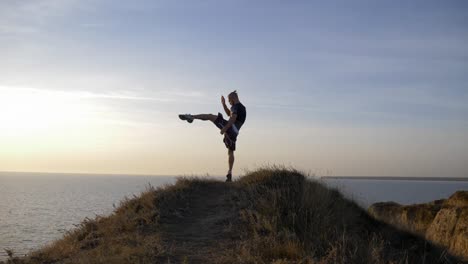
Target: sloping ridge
{"type": "Point", "coordinates": [267, 216]}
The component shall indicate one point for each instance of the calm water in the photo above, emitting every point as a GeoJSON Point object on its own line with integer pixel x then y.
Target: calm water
{"type": "Point", "coordinates": [36, 209]}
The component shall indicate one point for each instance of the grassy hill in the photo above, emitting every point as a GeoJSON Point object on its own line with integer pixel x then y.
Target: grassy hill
{"type": "Point", "coordinates": [267, 216]}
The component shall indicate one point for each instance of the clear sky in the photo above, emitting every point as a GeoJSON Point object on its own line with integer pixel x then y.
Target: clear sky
{"type": "Point", "coordinates": [364, 88]}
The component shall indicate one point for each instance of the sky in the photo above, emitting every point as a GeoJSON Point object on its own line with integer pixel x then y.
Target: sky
{"type": "Point", "coordinates": [342, 88]}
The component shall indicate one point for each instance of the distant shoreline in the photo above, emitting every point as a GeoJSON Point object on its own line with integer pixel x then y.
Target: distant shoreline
{"type": "Point", "coordinates": [387, 178]}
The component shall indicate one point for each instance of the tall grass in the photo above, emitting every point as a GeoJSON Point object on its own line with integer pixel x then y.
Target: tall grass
{"type": "Point", "coordinates": [289, 218]}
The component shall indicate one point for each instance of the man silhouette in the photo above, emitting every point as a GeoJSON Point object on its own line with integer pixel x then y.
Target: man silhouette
{"type": "Point", "coordinates": [229, 128]}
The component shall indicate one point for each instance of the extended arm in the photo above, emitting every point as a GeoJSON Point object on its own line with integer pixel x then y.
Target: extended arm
{"type": "Point", "coordinates": [231, 121]}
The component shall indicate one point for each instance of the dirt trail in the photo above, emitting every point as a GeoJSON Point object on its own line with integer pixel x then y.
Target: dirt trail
{"type": "Point", "coordinates": [200, 230]}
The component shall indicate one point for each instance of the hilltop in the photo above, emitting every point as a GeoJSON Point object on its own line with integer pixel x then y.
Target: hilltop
{"type": "Point", "coordinates": [267, 216]}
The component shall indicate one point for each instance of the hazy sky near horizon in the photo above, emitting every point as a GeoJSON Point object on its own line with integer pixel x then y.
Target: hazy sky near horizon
{"type": "Point", "coordinates": [363, 88]}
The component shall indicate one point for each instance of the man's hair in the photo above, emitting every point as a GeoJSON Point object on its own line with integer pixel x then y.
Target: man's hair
{"type": "Point", "coordinates": [234, 94]}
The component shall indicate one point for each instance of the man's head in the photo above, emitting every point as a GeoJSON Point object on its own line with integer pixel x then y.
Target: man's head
{"type": "Point", "coordinates": [233, 98]}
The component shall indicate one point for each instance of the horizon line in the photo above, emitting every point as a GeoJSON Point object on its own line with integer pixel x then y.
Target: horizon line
{"type": "Point", "coordinates": [407, 178]}
{"type": "Point", "coordinates": [350, 177]}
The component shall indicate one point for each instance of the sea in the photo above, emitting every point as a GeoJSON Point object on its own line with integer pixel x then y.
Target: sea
{"type": "Point", "coordinates": [38, 208]}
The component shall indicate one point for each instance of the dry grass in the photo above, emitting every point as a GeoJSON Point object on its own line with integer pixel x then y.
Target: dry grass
{"type": "Point", "coordinates": [291, 219]}
{"type": "Point", "coordinates": [271, 215]}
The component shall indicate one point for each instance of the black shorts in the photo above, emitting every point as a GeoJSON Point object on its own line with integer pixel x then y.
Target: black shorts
{"type": "Point", "coordinates": [230, 137]}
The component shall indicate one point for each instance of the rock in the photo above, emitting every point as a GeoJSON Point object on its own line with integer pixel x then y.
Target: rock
{"type": "Point", "coordinates": [444, 222]}
{"type": "Point", "coordinates": [443, 226]}
{"type": "Point", "coordinates": [458, 199]}
{"type": "Point", "coordinates": [459, 245]}
{"type": "Point", "coordinates": [450, 227]}
{"type": "Point", "coordinates": [416, 218]}
{"type": "Point", "coordinates": [387, 211]}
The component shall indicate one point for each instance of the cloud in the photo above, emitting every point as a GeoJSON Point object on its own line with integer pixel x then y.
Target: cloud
{"type": "Point", "coordinates": [122, 95]}
{"type": "Point", "coordinates": [80, 94]}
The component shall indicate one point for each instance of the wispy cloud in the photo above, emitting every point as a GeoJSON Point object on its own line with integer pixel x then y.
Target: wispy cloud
{"type": "Point", "coordinates": [79, 94]}
{"type": "Point", "coordinates": [82, 94]}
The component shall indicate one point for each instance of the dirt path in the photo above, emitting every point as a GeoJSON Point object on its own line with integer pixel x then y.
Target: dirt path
{"type": "Point", "coordinates": [202, 229]}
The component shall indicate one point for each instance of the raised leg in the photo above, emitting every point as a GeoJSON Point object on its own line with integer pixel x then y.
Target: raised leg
{"type": "Point", "coordinates": [205, 117]}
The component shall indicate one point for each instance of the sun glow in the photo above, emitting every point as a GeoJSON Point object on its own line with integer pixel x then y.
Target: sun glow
{"type": "Point", "coordinates": [33, 112]}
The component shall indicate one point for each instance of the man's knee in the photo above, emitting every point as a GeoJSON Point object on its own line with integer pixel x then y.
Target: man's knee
{"type": "Point", "coordinates": [231, 153]}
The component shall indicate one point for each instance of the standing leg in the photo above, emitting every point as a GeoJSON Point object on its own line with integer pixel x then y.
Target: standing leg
{"type": "Point", "coordinates": [231, 164]}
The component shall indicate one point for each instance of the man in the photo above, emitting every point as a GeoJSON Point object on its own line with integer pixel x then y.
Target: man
{"type": "Point", "coordinates": [229, 128]}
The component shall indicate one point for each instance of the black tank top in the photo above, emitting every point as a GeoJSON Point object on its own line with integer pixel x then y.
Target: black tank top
{"type": "Point", "coordinates": [240, 111]}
